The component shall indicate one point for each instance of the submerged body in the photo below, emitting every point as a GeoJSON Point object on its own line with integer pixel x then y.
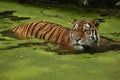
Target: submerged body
{"type": "Point", "coordinates": [84, 33]}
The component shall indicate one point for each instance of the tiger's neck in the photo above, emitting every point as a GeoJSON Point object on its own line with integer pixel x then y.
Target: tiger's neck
{"type": "Point", "coordinates": [66, 42]}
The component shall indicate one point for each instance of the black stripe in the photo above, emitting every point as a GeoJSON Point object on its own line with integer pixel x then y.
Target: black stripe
{"type": "Point", "coordinates": [24, 27]}
{"type": "Point", "coordinates": [51, 27]}
{"type": "Point", "coordinates": [67, 42]}
{"type": "Point", "coordinates": [66, 31]}
{"type": "Point", "coordinates": [16, 29]}
{"type": "Point", "coordinates": [51, 34]}
{"type": "Point", "coordinates": [58, 35]}
{"type": "Point", "coordinates": [68, 38]}
{"type": "Point", "coordinates": [40, 36]}
{"type": "Point", "coordinates": [96, 35]}
{"type": "Point", "coordinates": [92, 32]}
{"type": "Point", "coordinates": [47, 27]}
{"type": "Point", "coordinates": [40, 29]}
{"type": "Point", "coordinates": [34, 27]}
{"type": "Point", "coordinates": [28, 27]}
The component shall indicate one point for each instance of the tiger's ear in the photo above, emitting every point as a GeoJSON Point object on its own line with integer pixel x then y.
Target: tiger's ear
{"type": "Point", "coordinates": [96, 23]}
{"type": "Point", "coordinates": [76, 26]}
{"type": "Point", "coordinates": [73, 21]}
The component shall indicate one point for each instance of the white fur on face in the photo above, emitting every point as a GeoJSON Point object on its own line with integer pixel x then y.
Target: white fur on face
{"type": "Point", "coordinates": [76, 26]}
{"type": "Point", "coordinates": [72, 38]}
{"type": "Point", "coordinates": [86, 27]}
{"type": "Point", "coordinates": [80, 42]}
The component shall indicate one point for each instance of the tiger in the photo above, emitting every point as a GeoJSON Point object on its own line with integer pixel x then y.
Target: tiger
{"type": "Point", "coordinates": [84, 33]}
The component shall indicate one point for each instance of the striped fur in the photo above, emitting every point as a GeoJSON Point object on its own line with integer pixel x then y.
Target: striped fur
{"type": "Point", "coordinates": [68, 38]}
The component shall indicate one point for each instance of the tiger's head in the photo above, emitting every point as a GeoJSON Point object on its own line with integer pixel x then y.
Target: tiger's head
{"type": "Point", "coordinates": [84, 34]}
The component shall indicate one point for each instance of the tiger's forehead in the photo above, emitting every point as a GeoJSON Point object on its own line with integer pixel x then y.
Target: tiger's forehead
{"type": "Point", "coordinates": [83, 21]}
{"type": "Point", "coordinates": [87, 23]}
{"type": "Point", "coordinates": [84, 25]}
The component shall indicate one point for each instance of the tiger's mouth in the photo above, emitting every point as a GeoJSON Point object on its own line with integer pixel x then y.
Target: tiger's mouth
{"type": "Point", "coordinates": [87, 43]}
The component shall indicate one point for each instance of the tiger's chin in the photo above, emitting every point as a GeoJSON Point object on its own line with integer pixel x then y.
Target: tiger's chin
{"type": "Point", "coordinates": [82, 48]}
{"type": "Point", "coordinates": [79, 48]}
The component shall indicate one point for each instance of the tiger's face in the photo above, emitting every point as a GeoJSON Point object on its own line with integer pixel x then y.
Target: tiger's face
{"type": "Point", "coordinates": [84, 34]}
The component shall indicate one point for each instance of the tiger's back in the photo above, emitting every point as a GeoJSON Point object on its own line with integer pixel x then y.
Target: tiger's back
{"type": "Point", "coordinates": [43, 30]}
